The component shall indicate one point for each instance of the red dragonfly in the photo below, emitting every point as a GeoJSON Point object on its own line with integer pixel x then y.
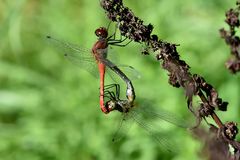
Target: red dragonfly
{"type": "Point", "coordinates": [140, 114]}
{"type": "Point", "coordinates": [97, 55]}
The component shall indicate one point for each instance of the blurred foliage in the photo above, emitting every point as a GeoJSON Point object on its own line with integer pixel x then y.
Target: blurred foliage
{"type": "Point", "coordinates": [49, 108]}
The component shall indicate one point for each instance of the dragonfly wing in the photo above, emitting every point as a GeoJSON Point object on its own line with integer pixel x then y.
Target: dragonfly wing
{"type": "Point", "coordinates": [149, 111]}
{"type": "Point", "coordinates": [150, 129]}
{"type": "Point", "coordinates": [124, 126]}
{"type": "Point", "coordinates": [86, 63]}
{"type": "Point", "coordinates": [77, 55]}
{"type": "Point", "coordinates": [130, 71]}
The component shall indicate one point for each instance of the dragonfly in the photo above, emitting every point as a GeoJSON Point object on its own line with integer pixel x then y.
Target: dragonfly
{"type": "Point", "coordinates": [131, 111]}
{"type": "Point", "coordinates": [97, 55]}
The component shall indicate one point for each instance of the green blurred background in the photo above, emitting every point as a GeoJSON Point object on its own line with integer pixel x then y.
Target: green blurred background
{"type": "Point", "coordinates": [49, 108]}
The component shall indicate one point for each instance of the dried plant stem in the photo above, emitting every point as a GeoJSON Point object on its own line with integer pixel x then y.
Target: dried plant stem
{"type": "Point", "coordinates": [213, 114]}
{"type": "Point", "coordinates": [133, 28]}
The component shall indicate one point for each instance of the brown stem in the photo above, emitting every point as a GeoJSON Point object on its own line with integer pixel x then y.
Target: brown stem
{"type": "Point", "coordinates": [213, 114]}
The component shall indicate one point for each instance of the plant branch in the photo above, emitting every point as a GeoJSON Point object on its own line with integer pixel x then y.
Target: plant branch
{"type": "Point", "coordinates": [231, 39]}
{"type": "Point", "coordinates": [133, 28]}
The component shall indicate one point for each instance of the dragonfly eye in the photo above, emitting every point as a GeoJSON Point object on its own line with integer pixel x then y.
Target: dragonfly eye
{"type": "Point", "coordinates": [101, 32]}
{"type": "Point", "coordinates": [110, 105]}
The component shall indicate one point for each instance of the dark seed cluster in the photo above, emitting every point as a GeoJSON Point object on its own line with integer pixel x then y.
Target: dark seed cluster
{"type": "Point", "coordinates": [231, 130]}
{"type": "Point", "coordinates": [231, 39]}
{"type": "Point", "coordinates": [128, 24]}
{"type": "Point", "coordinates": [179, 75]}
{"type": "Point", "coordinates": [210, 92]}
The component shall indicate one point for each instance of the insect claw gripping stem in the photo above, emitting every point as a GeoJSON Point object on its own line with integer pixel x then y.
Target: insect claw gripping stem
{"type": "Point", "coordinates": [117, 42]}
{"type": "Point", "coordinates": [133, 28]}
{"type": "Point", "coordinates": [114, 34]}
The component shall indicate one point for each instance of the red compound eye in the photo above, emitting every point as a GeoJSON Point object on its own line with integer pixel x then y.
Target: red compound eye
{"type": "Point", "coordinates": [101, 32]}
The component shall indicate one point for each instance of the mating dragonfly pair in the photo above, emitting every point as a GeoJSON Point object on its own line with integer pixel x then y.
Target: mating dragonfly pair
{"type": "Point", "coordinates": [98, 55]}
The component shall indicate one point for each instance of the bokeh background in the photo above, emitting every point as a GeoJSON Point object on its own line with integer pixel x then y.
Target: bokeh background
{"type": "Point", "coordinates": [49, 108]}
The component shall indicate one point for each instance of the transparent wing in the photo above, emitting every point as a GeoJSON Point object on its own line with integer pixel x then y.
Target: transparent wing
{"type": "Point", "coordinates": [150, 129]}
{"type": "Point", "coordinates": [130, 71]}
{"type": "Point", "coordinates": [77, 55]}
{"type": "Point", "coordinates": [112, 68]}
{"type": "Point", "coordinates": [150, 112]}
{"type": "Point", "coordinates": [126, 70]}
{"type": "Point", "coordinates": [144, 120]}
{"type": "Point", "coordinates": [124, 126]}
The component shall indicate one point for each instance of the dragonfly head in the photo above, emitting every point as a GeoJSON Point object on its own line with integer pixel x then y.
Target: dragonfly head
{"type": "Point", "coordinates": [101, 32]}
{"type": "Point", "coordinates": [110, 105]}
{"type": "Point", "coordinates": [120, 105]}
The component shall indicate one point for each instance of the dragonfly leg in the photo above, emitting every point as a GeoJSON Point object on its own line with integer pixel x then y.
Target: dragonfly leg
{"type": "Point", "coordinates": [113, 36]}
{"type": "Point", "coordinates": [109, 26]}
{"type": "Point", "coordinates": [117, 90]}
{"type": "Point", "coordinates": [109, 86]}
{"type": "Point", "coordinates": [111, 95]}
{"type": "Point", "coordinates": [117, 42]}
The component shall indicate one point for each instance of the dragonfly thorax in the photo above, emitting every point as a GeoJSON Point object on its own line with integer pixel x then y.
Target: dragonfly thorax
{"type": "Point", "coordinates": [100, 49]}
